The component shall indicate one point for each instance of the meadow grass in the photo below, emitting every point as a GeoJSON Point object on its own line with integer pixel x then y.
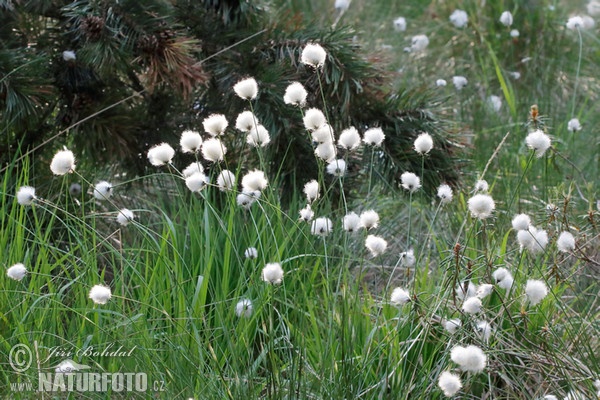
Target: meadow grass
{"type": "Point", "coordinates": [334, 327]}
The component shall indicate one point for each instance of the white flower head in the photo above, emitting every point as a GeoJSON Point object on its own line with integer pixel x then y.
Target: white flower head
{"type": "Point", "coordinates": [226, 180]}
{"type": "Point", "coordinates": [161, 154]}
{"type": "Point", "coordinates": [336, 167]}
{"type": "Point", "coordinates": [244, 308]}
{"type": "Point", "coordinates": [258, 136]}
{"type": "Point", "coordinates": [539, 142]}
{"type": "Point", "coordinates": [423, 143]}
{"type": "Point", "coordinates": [593, 8]}
{"type": "Point", "coordinates": [472, 305]}
{"type": "Point", "coordinates": [481, 186]}
{"type": "Point", "coordinates": [565, 242]}
{"type": "Point", "coordinates": [535, 290]}
{"type": "Point", "coordinates": [246, 89]}
{"type": "Point", "coordinates": [459, 82]}
{"type": "Point", "coordinates": [369, 219]}
{"type": "Point", "coordinates": [503, 278]}
{"type": "Point", "coordinates": [247, 198]}
{"type": "Point", "coordinates": [351, 222]}
{"type": "Point", "coordinates": [374, 137]}
{"type": "Point", "coordinates": [441, 83]}
{"type": "Point", "coordinates": [376, 245]}
{"type": "Point", "coordinates": [323, 134]}
{"type": "Point", "coordinates": [245, 121]}
{"type": "Point", "coordinates": [254, 180]}
{"type": "Point", "coordinates": [408, 259]}
{"type": "Point", "coordinates": [272, 273]}
{"type": "Point", "coordinates": [514, 33]}
{"type": "Point", "coordinates": [465, 290]}
{"type": "Point", "coordinates": [326, 151]}
{"type": "Point", "coordinates": [419, 43]}
{"type": "Point", "coordinates": [521, 222]}
{"type": "Point", "coordinates": [494, 102]}
{"type": "Point", "coordinates": [313, 55]}
{"type": "Point", "coordinates": [444, 192]}
{"type": "Point", "coordinates": [314, 119]}
{"type": "Point", "coordinates": [469, 359]}
{"type": "Point", "coordinates": [449, 383]}
{"type": "Point", "coordinates": [63, 163]}
{"type": "Point", "coordinates": [251, 252]}
{"type": "Point", "coordinates": [399, 297]}
{"type": "Point", "coordinates": [100, 294]}
{"type": "Point", "coordinates": [193, 168]}
{"type": "Point", "coordinates": [16, 272]}
{"type": "Point", "coordinates": [588, 22]}
{"type": "Point", "coordinates": [295, 94]}
{"type": "Point", "coordinates": [190, 141]}
{"type": "Point", "coordinates": [196, 182]}
{"type": "Point", "coordinates": [506, 18]}
{"type": "Point", "coordinates": [452, 325]}
{"type": "Point", "coordinates": [481, 206]}
{"type": "Point", "coordinates": [410, 182]}
{"type": "Point", "coordinates": [575, 23]}
{"type": "Point", "coordinates": [103, 190]}
{"type": "Point", "coordinates": [525, 237]}
{"type": "Point", "coordinates": [306, 214]}
{"type": "Point", "coordinates": [26, 195]}
{"type": "Point", "coordinates": [342, 5]}
{"type": "Point", "coordinates": [349, 139]}
{"type": "Point", "coordinates": [215, 124]}
{"type": "Point", "coordinates": [400, 24]}
{"type": "Point", "coordinates": [574, 125]}
{"type": "Point", "coordinates": [321, 226]}
{"type": "Point", "coordinates": [213, 150]}
{"type": "Point", "coordinates": [484, 290]}
{"type": "Point", "coordinates": [484, 329]}
{"type": "Point", "coordinates": [311, 190]}
{"type": "Point", "coordinates": [125, 216]}
{"type": "Point", "coordinates": [539, 242]}
{"type": "Point", "coordinates": [69, 55]}
{"type": "Point", "coordinates": [459, 18]}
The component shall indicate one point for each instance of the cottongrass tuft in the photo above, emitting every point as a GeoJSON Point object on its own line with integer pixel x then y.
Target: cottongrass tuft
{"type": "Point", "coordinates": [63, 162]}
{"type": "Point", "coordinates": [410, 181]}
{"type": "Point", "coordinates": [245, 121]}
{"type": "Point", "coordinates": [215, 124]}
{"type": "Point", "coordinates": [441, 83]}
{"type": "Point", "coordinates": [272, 273]}
{"type": "Point", "coordinates": [194, 168]}
{"type": "Point", "coordinates": [213, 150]}
{"type": "Point", "coordinates": [16, 272]}
{"type": "Point", "coordinates": [574, 125]}
{"type": "Point", "coordinates": [246, 89]}
{"type": "Point", "coordinates": [26, 195]}
{"type": "Point", "coordinates": [125, 216]}
{"type": "Point", "coordinates": [295, 94]}
{"type": "Point", "coordinates": [469, 359]}
{"type": "Point", "coordinates": [539, 142]}
{"type": "Point", "coordinates": [100, 294]}
{"type": "Point", "coordinates": [472, 305]}
{"type": "Point", "coordinates": [494, 102]}
{"type": "Point", "coordinates": [321, 226]}
{"type": "Point", "coordinates": [423, 143]}
{"type": "Point", "coordinates": [459, 18]}
{"type": "Point", "coordinates": [313, 119]}
{"type": "Point", "coordinates": [459, 82]}
{"type": "Point", "coordinates": [226, 180]}
{"type": "Point", "coordinates": [244, 308]}
{"type": "Point", "coordinates": [336, 167]}
{"type": "Point", "coordinates": [254, 180]}
{"type": "Point", "coordinates": [323, 134]}
{"type": "Point", "coordinates": [351, 222]}
{"type": "Point", "coordinates": [306, 214]}
{"type": "Point", "coordinates": [503, 278]}
{"type": "Point", "coordinates": [565, 242]}
{"type": "Point", "coordinates": [369, 219]}
{"type": "Point", "coordinates": [408, 259]}
{"type": "Point", "coordinates": [246, 199]}
{"type": "Point", "coordinates": [196, 182]}
{"type": "Point", "coordinates": [374, 137]}
{"type": "Point", "coordinates": [161, 154]}
{"type": "Point", "coordinates": [399, 297]}
{"type": "Point", "coordinates": [481, 186]}
{"type": "Point", "coordinates": [449, 383]}
{"type": "Point", "coordinates": [484, 290]}
{"type": "Point", "coordinates": [376, 245]}
{"type": "Point", "coordinates": [258, 136]}
{"type": "Point", "coordinates": [444, 192]}
{"type": "Point", "coordinates": [535, 290]}
{"type": "Point", "coordinates": [481, 206]}
{"type": "Point", "coordinates": [251, 252]}
{"type": "Point", "coordinates": [418, 43]}
{"type": "Point", "coordinates": [506, 18]}
{"type": "Point", "coordinates": [313, 55]}
{"type": "Point", "coordinates": [466, 290]}
{"type": "Point", "coordinates": [400, 24]}
{"type": "Point", "coordinates": [103, 190]}
{"type": "Point", "coordinates": [326, 151]}
{"type": "Point", "coordinates": [575, 23]}
{"type": "Point", "coordinates": [452, 325]}
{"type": "Point", "coordinates": [349, 139]}
{"type": "Point", "coordinates": [311, 190]}
{"type": "Point", "coordinates": [484, 329]}
{"type": "Point", "coordinates": [521, 222]}
{"type": "Point", "coordinates": [190, 141]}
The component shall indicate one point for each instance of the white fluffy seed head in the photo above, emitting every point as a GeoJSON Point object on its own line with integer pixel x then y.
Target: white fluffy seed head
{"type": "Point", "coordinates": [418, 43]}
{"type": "Point", "coordinates": [351, 222]}
{"type": "Point", "coordinates": [313, 55]}
{"type": "Point", "coordinates": [196, 182]}
{"type": "Point", "coordinates": [539, 142]}
{"type": "Point", "coordinates": [494, 102]}
{"type": "Point", "coordinates": [449, 383]}
{"type": "Point", "coordinates": [575, 23]}
{"type": "Point", "coordinates": [459, 82]}
{"type": "Point", "coordinates": [295, 94]}
{"type": "Point", "coordinates": [314, 119]}
{"type": "Point", "coordinates": [459, 18]}
{"type": "Point", "coordinates": [251, 252]}
{"type": "Point", "coordinates": [408, 259]}
{"type": "Point", "coordinates": [16, 272]}
{"type": "Point", "coordinates": [321, 226]}
{"type": "Point", "coordinates": [452, 325]}
{"type": "Point", "coordinates": [465, 290]}
{"type": "Point", "coordinates": [444, 192]}
{"type": "Point", "coordinates": [369, 219]}
{"type": "Point", "coordinates": [63, 163]}
{"type": "Point", "coordinates": [246, 89]}
{"type": "Point", "coordinates": [376, 245]}
{"type": "Point", "coordinates": [273, 273]}
{"type": "Point", "coordinates": [100, 294]}
{"type": "Point", "coordinates": [535, 290]}
{"type": "Point", "coordinates": [484, 329]}
{"type": "Point", "coordinates": [245, 121]}
{"type": "Point", "coordinates": [521, 222]}
{"type": "Point", "coordinates": [472, 305]}
{"type": "Point", "coordinates": [254, 180]}
{"type": "Point", "coordinates": [244, 308]}
{"type": "Point", "coordinates": [349, 139]}
{"type": "Point", "coordinates": [258, 136]}
{"type": "Point", "coordinates": [399, 297]}
{"type": "Point", "coordinates": [161, 154]}
{"type": "Point", "coordinates": [374, 137]}
{"type": "Point", "coordinates": [336, 167]}
{"type": "Point", "coordinates": [193, 168]}
{"type": "Point", "coordinates": [400, 24]}
{"type": "Point", "coordinates": [326, 151]}
{"type": "Point", "coordinates": [190, 141]}
{"type": "Point", "coordinates": [215, 124]}
{"type": "Point", "coordinates": [539, 243]}
{"type": "Point", "coordinates": [246, 199]}
{"type": "Point", "coordinates": [213, 150]}
{"type": "Point", "coordinates": [125, 216]}
{"type": "Point", "coordinates": [226, 180]}
{"type": "Point", "coordinates": [440, 83]}
{"type": "Point", "coordinates": [484, 290]}
{"type": "Point", "coordinates": [69, 55]}
{"type": "Point", "coordinates": [306, 214]}
{"type": "Point", "coordinates": [565, 242]}
{"type": "Point", "coordinates": [311, 190]}
{"type": "Point", "coordinates": [103, 190]}
{"type": "Point", "coordinates": [410, 182]}
{"type": "Point", "coordinates": [469, 359]}
{"type": "Point", "coordinates": [574, 125]}
{"type": "Point", "coordinates": [423, 143]}
{"type": "Point", "coordinates": [481, 186]}
{"type": "Point", "coordinates": [481, 206]}
{"type": "Point", "coordinates": [26, 195]}
{"type": "Point", "coordinates": [324, 134]}
{"type": "Point", "coordinates": [503, 278]}
{"type": "Point", "coordinates": [506, 18]}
